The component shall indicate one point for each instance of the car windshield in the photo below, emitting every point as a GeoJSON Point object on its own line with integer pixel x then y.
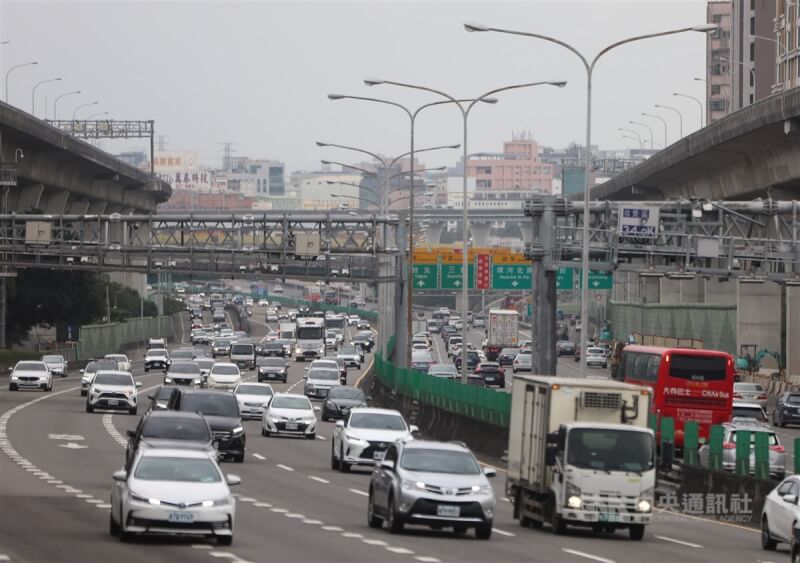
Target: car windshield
{"type": "Point", "coordinates": [606, 450]}
{"type": "Point", "coordinates": [596, 351]}
{"type": "Point", "coordinates": [793, 399]}
{"type": "Point", "coordinates": [31, 366]}
{"type": "Point", "coordinates": [748, 387]}
{"type": "Point", "coordinates": [323, 374]}
{"type": "Point", "coordinates": [184, 367]}
{"type": "Point", "coordinates": [163, 393]}
{"type": "Point", "coordinates": [747, 412]}
{"type": "Point", "coordinates": [52, 359]}
{"type": "Point", "coordinates": [377, 421]}
{"type": "Point", "coordinates": [119, 357]}
{"type": "Point", "coordinates": [772, 437]}
{"type": "Point", "coordinates": [300, 403]}
{"type": "Point", "coordinates": [443, 369]}
{"type": "Point", "coordinates": [204, 363]}
{"type": "Point", "coordinates": [157, 353]}
{"type": "Point", "coordinates": [347, 393]}
{"type": "Point", "coordinates": [177, 469]}
{"type": "Point", "coordinates": [521, 358]}
{"type": "Point", "coordinates": [176, 428]}
{"type": "Point", "coordinates": [254, 390]}
{"type": "Point", "coordinates": [211, 405]}
{"type": "Point", "coordinates": [222, 342]}
{"type": "Point", "coordinates": [272, 362]}
{"type": "Point", "coordinates": [348, 351]}
{"type": "Point", "coordinates": [225, 370]}
{"type": "Point", "coordinates": [113, 379]}
{"type": "Point", "coordinates": [439, 461]}
{"type": "Point", "coordinates": [242, 349]}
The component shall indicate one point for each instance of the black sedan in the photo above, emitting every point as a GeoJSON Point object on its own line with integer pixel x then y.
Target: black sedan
{"type": "Point", "coordinates": [272, 349]}
{"type": "Point", "coordinates": [506, 356]}
{"type": "Point", "coordinates": [565, 348]}
{"type": "Point", "coordinates": [340, 400]}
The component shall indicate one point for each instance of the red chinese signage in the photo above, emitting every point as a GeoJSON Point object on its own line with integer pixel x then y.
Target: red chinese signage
{"type": "Point", "coordinates": [483, 277]}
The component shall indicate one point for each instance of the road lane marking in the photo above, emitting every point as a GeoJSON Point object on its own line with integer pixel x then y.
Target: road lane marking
{"type": "Point", "coordinates": [103, 505]}
{"type": "Point", "coordinates": [503, 533]}
{"type": "Point", "coordinates": [312, 522]}
{"type": "Point", "coordinates": [332, 529]}
{"type": "Point", "coordinates": [285, 467]}
{"type": "Point", "coordinates": [358, 492]}
{"type": "Point", "coordinates": [427, 559]}
{"type": "Point", "coordinates": [83, 495]}
{"type": "Point", "coordinates": [320, 437]}
{"type": "Point", "coordinates": [259, 456]}
{"type": "Point", "coordinates": [319, 479]}
{"type": "Point", "coordinates": [247, 499]}
{"type": "Point", "coordinates": [278, 510]}
{"type": "Point", "coordinates": [679, 542]}
{"type": "Point", "coordinates": [263, 505]}
{"type": "Point", "coordinates": [223, 554]}
{"type": "Point", "coordinates": [374, 542]}
{"type": "Point", "coordinates": [587, 555]}
{"type": "Point", "coordinates": [94, 501]}
{"type": "Point", "coordinates": [295, 515]}
{"type": "Point", "coordinates": [352, 535]}
{"type": "Point", "coordinates": [202, 546]}
{"type": "Point", "coordinates": [400, 550]}
{"type": "Point", "coordinates": [4, 557]}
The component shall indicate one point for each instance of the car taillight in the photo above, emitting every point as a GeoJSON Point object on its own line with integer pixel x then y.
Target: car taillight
{"type": "Point", "coordinates": [779, 449]}
{"type": "Point", "coordinates": [728, 446]}
{"type": "Point", "coordinates": [502, 372]}
{"type": "Point", "coordinates": [762, 397]}
{"type": "Point", "coordinates": [478, 369]}
{"type": "Point", "coordinates": [737, 395]}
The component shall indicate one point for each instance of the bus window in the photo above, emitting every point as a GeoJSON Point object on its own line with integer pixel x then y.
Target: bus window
{"type": "Point", "coordinates": [640, 371]}
{"type": "Point", "coordinates": [698, 368]}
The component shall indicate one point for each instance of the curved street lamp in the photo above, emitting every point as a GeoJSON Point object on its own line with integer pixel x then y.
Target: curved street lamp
{"type": "Point", "coordinates": [699, 103]}
{"type": "Point", "coordinates": [33, 93]}
{"type": "Point", "coordinates": [55, 103]}
{"type": "Point", "coordinates": [680, 117]}
{"type": "Point", "coordinates": [74, 113]}
{"type": "Point", "coordinates": [13, 68]}
{"type": "Point", "coordinates": [662, 120]}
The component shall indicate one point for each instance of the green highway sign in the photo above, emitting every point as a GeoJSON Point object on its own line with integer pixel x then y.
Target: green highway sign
{"type": "Point", "coordinates": [511, 276]}
{"type": "Point", "coordinates": [452, 276]}
{"type": "Point", "coordinates": [425, 276]}
{"type": "Point", "coordinates": [565, 278]}
{"type": "Point", "coordinates": [599, 280]}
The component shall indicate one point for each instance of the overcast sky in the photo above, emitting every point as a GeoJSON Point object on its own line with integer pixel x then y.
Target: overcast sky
{"type": "Point", "coordinates": [257, 73]}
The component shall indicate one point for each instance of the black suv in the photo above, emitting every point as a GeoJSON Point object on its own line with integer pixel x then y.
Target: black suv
{"type": "Point", "coordinates": [169, 429]}
{"type": "Point", "coordinates": [473, 359]}
{"type": "Point", "coordinates": [786, 410]}
{"type": "Point", "coordinates": [222, 413]}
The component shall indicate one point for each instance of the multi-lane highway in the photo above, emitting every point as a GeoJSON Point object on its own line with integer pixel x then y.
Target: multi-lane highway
{"type": "Point", "coordinates": [55, 478]}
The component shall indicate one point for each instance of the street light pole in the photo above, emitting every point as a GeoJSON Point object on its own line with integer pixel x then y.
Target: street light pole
{"type": "Point", "coordinates": [98, 114]}
{"type": "Point", "coordinates": [33, 93]}
{"type": "Point", "coordinates": [640, 148]}
{"type": "Point", "coordinates": [699, 103]}
{"type": "Point", "coordinates": [14, 68]}
{"type": "Point", "coordinates": [74, 113]}
{"type": "Point", "coordinates": [662, 120]}
{"type": "Point", "coordinates": [680, 118]}
{"type": "Point", "coordinates": [587, 157]}
{"type": "Point", "coordinates": [465, 111]}
{"type": "Point", "coordinates": [646, 126]}
{"type": "Point", "coordinates": [55, 103]}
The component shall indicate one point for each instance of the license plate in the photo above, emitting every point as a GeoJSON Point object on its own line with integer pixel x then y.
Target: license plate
{"type": "Point", "coordinates": [113, 402]}
{"type": "Point", "coordinates": [378, 456]}
{"type": "Point", "coordinates": [181, 517]}
{"type": "Point", "coordinates": [291, 426]}
{"type": "Point", "coordinates": [448, 511]}
{"type": "Point", "coordinates": [490, 379]}
{"type": "Point", "coordinates": [608, 517]}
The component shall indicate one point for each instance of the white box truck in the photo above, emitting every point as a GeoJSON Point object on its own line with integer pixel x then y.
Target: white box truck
{"type": "Point", "coordinates": [580, 454]}
{"type": "Point", "coordinates": [501, 332]}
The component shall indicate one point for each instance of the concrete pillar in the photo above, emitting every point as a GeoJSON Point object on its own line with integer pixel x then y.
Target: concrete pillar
{"type": "Point", "coordinates": [758, 315]}
{"type": "Point", "coordinates": [718, 292]}
{"type": "Point", "coordinates": [29, 198]}
{"type": "Point", "coordinates": [480, 234]}
{"type": "Point", "coordinates": [77, 207]}
{"type": "Point", "coordinates": [97, 208]}
{"type": "Point", "coordinates": [650, 290]}
{"type": "Point", "coordinates": [669, 291]}
{"type": "Point", "coordinates": [56, 202]}
{"type": "Point", "coordinates": [433, 232]}
{"type": "Point", "coordinates": [526, 228]}
{"type": "Point", "coordinates": [792, 330]}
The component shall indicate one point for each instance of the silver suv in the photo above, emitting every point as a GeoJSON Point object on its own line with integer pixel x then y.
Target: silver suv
{"type": "Point", "coordinates": [436, 484]}
{"type": "Point", "coordinates": [777, 457]}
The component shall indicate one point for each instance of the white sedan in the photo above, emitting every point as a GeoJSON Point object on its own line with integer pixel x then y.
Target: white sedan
{"type": "Point", "coordinates": [253, 398]}
{"type": "Point", "coordinates": [780, 513]}
{"type": "Point", "coordinates": [224, 375]}
{"type": "Point", "coordinates": [290, 414]}
{"type": "Point", "coordinates": [173, 491]}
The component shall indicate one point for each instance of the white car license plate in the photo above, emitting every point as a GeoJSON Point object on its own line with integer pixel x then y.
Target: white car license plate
{"type": "Point", "coordinates": [181, 517]}
{"type": "Point", "coordinates": [291, 426]}
{"type": "Point", "coordinates": [378, 456]}
{"type": "Point", "coordinates": [113, 402]}
{"type": "Point", "coordinates": [448, 511]}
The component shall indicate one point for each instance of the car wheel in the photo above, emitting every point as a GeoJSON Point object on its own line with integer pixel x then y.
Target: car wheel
{"type": "Point", "coordinates": [393, 521]}
{"type": "Point", "coordinates": [224, 540]}
{"type": "Point", "coordinates": [344, 467]}
{"type": "Point", "coordinates": [13, 387]}
{"type": "Point", "coordinates": [123, 535]}
{"type": "Point", "coordinates": [133, 411]}
{"type": "Point", "coordinates": [767, 542]}
{"type": "Point", "coordinates": [284, 379]}
{"type": "Point", "coordinates": [146, 369]}
{"type": "Point", "coordinates": [636, 531]}
{"type": "Point", "coordinates": [372, 520]}
{"type": "Point", "coordinates": [113, 527]}
{"type": "Point", "coordinates": [781, 423]}
{"type": "Point", "coordinates": [311, 436]}
{"type": "Point", "coordinates": [89, 408]}
{"type": "Point", "coordinates": [334, 461]}
{"type": "Point", "coordinates": [238, 458]}
{"type": "Point", "coordinates": [484, 531]}
{"type": "Point", "coordinates": [558, 524]}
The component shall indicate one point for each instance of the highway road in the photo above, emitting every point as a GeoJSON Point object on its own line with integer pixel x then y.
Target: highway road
{"type": "Point", "coordinates": [56, 467]}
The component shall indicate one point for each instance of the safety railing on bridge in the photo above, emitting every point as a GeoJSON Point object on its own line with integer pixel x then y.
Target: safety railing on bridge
{"type": "Point", "coordinates": [487, 405]}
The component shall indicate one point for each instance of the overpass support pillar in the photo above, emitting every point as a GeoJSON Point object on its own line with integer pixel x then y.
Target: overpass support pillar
{"type": "Point", "coordinates": [56, 202]}
{"type": "Point", "coordinates": [480, 234]}
{"type": "Point", "coordinates": [543, 325]}
{"type": "Point", "coordinates": [433, 233]}
{"type": "Point", "coordinates": [29, 198]}
{"type": "Point", "coordinates": [77, 207]}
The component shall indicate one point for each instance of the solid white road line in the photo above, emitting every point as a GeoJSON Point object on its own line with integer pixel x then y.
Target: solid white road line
{"type": "Point", "coordinates": [503, 532]}
{"type": "Point", "coordinates": [358, 492]}
{"type": "Point", "coordinates": [319, 479]}
{"type": "Point", "coordinates": [679, 542]}
{"type": "Point", "coordinates": [285, 467]}
{"type": "Point", "coordinates": [587, 555]}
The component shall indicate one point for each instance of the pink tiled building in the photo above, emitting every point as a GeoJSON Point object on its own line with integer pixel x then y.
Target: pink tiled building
{"type": "Point", "coordinates": [517, 168]}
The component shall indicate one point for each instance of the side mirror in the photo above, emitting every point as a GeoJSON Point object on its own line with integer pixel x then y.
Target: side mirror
{"type": "Point", "coordinates": [120, 475]}
{"type": "Point", "coordinates": [413, 429]}
{"type": "Point", "coordinates": [316, 408]}
{"type": "Point", "coordinates": [369, 397]}
{"type": "Point", "coordinates": [386, 464]}
{"type": "Point", "coordinates": [233, 480]}
{"type": "Point", "coordinates": [790, 499]}
{"type": "Point", "coordinates": [489, 472]}
{"type": "Point", "coordinates": [305, 375]}
{"type": "Point", "coordinates": [138, 384]}
{"type": "Point", "coordinates": [340, 424]}
{"type": "Point", "coordinates": [151, 397]}
{"type": "Point", "coordinates": [550, 455]}
{"type": "Point", "coordinates": [9, 369]}
{"type": "Point", "coordinates": [131, 433]}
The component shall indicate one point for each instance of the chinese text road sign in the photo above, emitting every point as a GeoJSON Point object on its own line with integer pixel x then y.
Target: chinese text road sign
{"type": "Point", "coordinates": [425, 276]}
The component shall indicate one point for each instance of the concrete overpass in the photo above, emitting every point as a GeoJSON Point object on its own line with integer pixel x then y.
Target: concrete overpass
{"type": "Point", "coordinates": [57, 173]}
{"type": "Point", "coordinates": [754, 152]}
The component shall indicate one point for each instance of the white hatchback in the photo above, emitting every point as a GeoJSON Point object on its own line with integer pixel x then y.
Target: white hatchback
{"type": "Point", "coordinates": [224, 375]}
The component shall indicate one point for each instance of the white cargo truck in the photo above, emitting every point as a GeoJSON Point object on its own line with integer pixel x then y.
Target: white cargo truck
{"type": "Point", "coordinates": [580, 454]}
{"type": "Point", "coordinates": [502, 332]}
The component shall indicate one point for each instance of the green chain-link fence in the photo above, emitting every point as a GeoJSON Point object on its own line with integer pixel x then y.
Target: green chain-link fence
{"type": "Point", "coordinates": [98, 340]}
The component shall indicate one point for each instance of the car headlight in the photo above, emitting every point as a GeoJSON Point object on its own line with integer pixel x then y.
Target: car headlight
{"type": "Point", "coordinates": [138, 498]}
{"type": "Point", "coordinates": [167, 380]}
{"type": "Point", "coordinates": [311, 419]}
{"type": "Point", "coordinates": [14, 377]}
{"type": "Point", "coordinates": [275, 418]}
{"type": "Point", "coordinates": [644, 506]}
{"type": "Point", "coordinates": [130, 393]}
{"type": "Point", "coordinates": [224, 501]}
{"type": "Point", "coordinates": [237, 430]}
{"type": "Point", "coordinates": [481, 489]}
{"type": "Point", "coordinates": [413, 485]}
{"type": "Point", "coordinates": [298, 350]}
{"type": "Point", "coordinates": [355, 439]}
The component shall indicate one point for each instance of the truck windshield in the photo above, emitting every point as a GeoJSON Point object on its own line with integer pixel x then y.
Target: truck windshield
{"type": "Point", "coordinates": [610, 450]}
{"type": "Point", "coordinates": [309, 333]}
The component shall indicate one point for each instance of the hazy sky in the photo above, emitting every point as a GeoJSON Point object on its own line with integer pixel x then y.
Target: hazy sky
{"type": "Point", "coordinates": [257, 73]}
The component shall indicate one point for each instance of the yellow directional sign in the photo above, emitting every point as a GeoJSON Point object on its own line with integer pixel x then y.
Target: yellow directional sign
{"type": "Point", "coordinates": [510, 259]}
{"type": "Point", "coordinates": [425, 257]}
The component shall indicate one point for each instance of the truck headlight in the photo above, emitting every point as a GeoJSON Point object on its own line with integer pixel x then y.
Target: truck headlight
{"type": "Point", "coordinates": [644, 505]}
{"type": "Point", "coordinates": [574, 502]}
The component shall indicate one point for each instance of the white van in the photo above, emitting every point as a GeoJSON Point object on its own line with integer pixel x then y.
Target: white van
{"type": "Point", "coordinates": [243, 354]}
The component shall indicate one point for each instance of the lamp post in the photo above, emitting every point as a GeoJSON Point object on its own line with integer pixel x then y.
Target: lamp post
{"type": "Point", "coordinates": [55, 103]}
{"type": "Point", "coordinates": [662, 120]}
{"type": "Point", "coordinates": [638, 141]}
{"type": "Point", "coordinates": [640, 148]}
{"type": "Point", "coordinates": [75, 113]}
{"type": "Point", "coordinates": [699, 103]}
{"type": "Point", "coordinates": [589, 66]}
{"type": "Point", "coordinates": [646, 126]}
{"type": "Point", "coordinates": [13, 68]}
{"type": "Point", "coordinates": [741, 64]}
{"type": "Point", "coordinates": [781, 46]}
{"type": "Point", "coordinates": [680, 118]}
{"type": "Point", "coordinates": [465, 111]}
{"type": "Point", "coordinates": [33, 93]}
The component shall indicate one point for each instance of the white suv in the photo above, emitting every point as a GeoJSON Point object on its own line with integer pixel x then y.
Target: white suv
{"type": "Point", "coordinates": [113, 390]}
{"type": "Point", "coordinates": [30, 375]}
{"type": "Point", "coordinates": [364, 435]}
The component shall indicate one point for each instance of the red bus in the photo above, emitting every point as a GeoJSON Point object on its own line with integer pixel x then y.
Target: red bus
{"type": "Point", "coordinates": [688, 384]}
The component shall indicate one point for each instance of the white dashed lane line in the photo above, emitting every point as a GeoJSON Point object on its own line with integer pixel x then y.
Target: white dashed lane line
{"type": "Point", "coordinates": [503, 532]}
{"type": "Point", "coordinates": [679, 542]}
{"type": "Point", "coordinates": [259, 456]}
{"type": "Point", "coordinates": [587, 555]}
{"type": "Point", "coordinates": [319, 479]}
{"type": "Point", "coordinates": [358, 492]}
{"type": "Point", "coordinates": [285, 467]}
